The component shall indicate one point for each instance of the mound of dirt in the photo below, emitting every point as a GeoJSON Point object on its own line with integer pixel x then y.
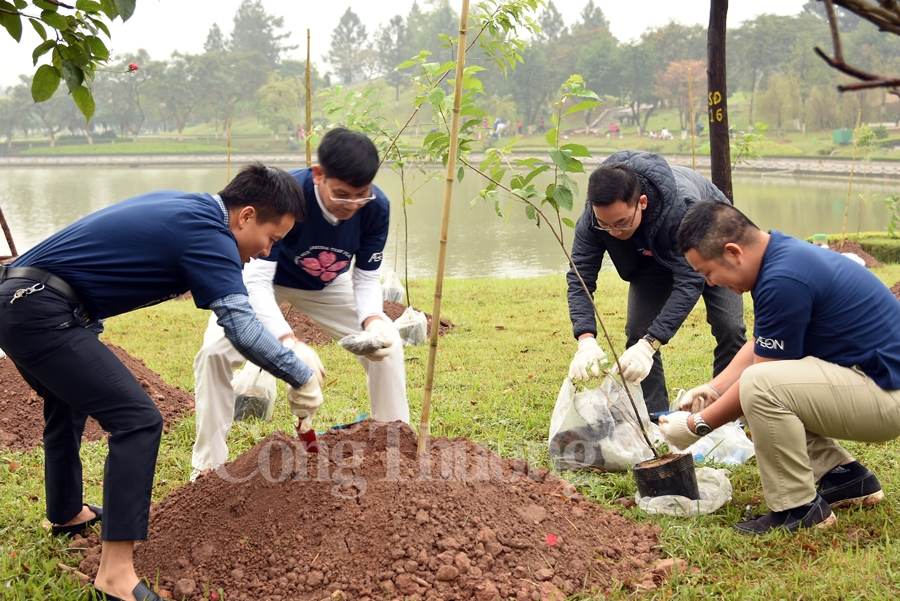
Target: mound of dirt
{"type": "Point", "coordinates": [368, 518]}
{"type": "Point", "coordinates": [851, 246]}
{"type": "Point", "coordinates": [896, 290]}
{"type": "Point", "coordinates": [309, 331]}
{"type": "Point", "coordinates": [22, 410]}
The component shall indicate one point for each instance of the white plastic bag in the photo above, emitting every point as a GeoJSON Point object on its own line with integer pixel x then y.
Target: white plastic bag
{"type": "Point", "coordinates": [2, 354]}
{"type": "Point", "coordinates": [596, 429]}
{"type": "Point", "coordinates": [715, 491]}
{"type": "Point", "coordinates": [254, 393]}
{"type": "Point", "coordinates": [391, 289]}
{"type": "Point", "coordinates": [413, 327]}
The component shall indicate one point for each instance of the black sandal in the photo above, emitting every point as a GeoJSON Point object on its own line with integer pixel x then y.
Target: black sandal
{"type": "Point", "coordinates": [79, 528]}
{"type": "Point", "coordinates": [141, 592]}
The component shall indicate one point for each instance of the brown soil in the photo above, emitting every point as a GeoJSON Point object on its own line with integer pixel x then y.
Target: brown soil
{"type": "Point", "coordinates": [22, 410]}
{"type": "Point", "coordinates": [366, 517]}
{"type": "Point", "coordinates": [851, 246]}
{"type": "Point", "coordinates": [660, 461]}
{"type": "Point", "coordinates": [896, 290]}
{"type": "Point", "coordinates": [309, 331]}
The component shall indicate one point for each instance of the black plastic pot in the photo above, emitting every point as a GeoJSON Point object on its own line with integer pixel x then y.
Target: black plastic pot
{"type": "Point", "coordinates": [667, 475]}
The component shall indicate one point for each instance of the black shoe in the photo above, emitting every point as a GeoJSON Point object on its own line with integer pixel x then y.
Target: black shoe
{"type": "Point", "coordinates": [141, 592]}
{"type": "Point", "coordinates": [819, 515]}
{"type": "Point", "coordinates": [79, 528]}
{"type": "Point", "coordinates": [862, 488]}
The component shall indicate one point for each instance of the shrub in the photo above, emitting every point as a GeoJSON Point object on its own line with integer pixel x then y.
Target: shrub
{"type": "Point", "coordinates": [881, 132]}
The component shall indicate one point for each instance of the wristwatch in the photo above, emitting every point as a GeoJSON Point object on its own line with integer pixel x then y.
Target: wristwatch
{"type": "Point", "coordinates": [701, 428]}
{"type": "Point", "coordinates": [653, 342]}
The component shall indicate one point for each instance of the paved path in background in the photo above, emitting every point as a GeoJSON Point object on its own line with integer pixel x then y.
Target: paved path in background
{"type": "Point", "coordinates": [801, 166]}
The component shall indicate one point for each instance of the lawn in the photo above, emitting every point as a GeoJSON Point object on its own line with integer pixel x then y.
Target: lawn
{"type": "Point", "coordinates": [497, 379]}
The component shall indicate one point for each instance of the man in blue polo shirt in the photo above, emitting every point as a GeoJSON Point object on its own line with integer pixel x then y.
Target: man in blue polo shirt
{"type": "Point", "coordinates": [142, 251]}
{"type": "Point", "coordinates": [347, 221]}
{"type": "Point", "coordinates": [824, 363]}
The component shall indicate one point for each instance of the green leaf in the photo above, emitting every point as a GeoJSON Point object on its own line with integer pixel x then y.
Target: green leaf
{"type": "Point", "coordinates": [568, 222]}
{"type": "Point", "coordinates": [88, 6]}
{"type": "Point", "coordinates": [38, 28]}
{"type": "Point", "coordinates": [563, 197]}
{"type": "Point", "coordinates": [20, 4]}
{"type": "Point", "coordinates": [98, 48]}
{"type": "Point", "coordinates": [575, 166]}
{"type": "Point", "coordinates": [406, 65]}
{"type": "Point", "coordinates": [73, 75]}
{"type": "Point", "coordinates": [12, 23]}
{"type": "Point", "coordinates": [529, 212]}
{"type": "Point", "coordinates": [85, 101]}
{"type": "Point", "coordinates": [436, 96]}
{"type": "Point", "coordinates": [54, 20]}
{"type": "Point", "coordinates": [109, 9]}
{"type": "Point", "coordinates": [46, 5]}
{"type": "Point", "coordinates": [577, 150]}
{"type": "Point", "coordinates": [46, 80]}
{"type": "Point", "coordinates": [582, 106]}
{"type": "Point", "coordinates": [100, 25]}
{"type": "Point", "coordinates": [125, 8]}
{"type": "Point", "coordinates": [460, 173]}
{"type": "Point", "coordinates": [560, 158]}
{"type": "Point", "coordinates": [471, 111]}
{"type": "Point", "coordinates": [536, 172]}
{"type": "Point", "coordinates": [42, 49]}
{"type": "Point", "coordinates": [551, 137]}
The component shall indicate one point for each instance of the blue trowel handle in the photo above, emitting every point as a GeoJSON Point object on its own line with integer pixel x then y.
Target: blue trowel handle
{"type": "Point", "coordinates": [654, 417]}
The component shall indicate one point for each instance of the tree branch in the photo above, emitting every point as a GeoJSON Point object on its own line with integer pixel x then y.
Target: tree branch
{"type": "Point", "coordinates": [835, 35]}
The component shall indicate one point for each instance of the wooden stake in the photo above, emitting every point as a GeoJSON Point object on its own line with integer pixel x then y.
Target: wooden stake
{"type": "Point", "coordinates": [850, 185]}
{"type": "Point", "coordinates": [308, 106]}
{"type": "Point", "coordinates": [445, 225]}
{"type": "Point", "coordinates": [691, 120]}
{"type": "Point", "coordinates": [228, 171]}
{"type": "Point", "coordinates": [8, 234]}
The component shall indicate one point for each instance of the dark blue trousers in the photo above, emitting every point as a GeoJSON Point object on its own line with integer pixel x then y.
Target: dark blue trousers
{"type": "Point", "coordinates": [648, 291]}
{"type": "Point", "coordinates": [78, 376]}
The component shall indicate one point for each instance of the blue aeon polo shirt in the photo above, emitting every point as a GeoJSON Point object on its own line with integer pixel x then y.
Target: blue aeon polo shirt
{"type": "Point", "coordinates": [315, 252]}
{"type": "Point", "coordinates": [811, 302]}
{"type": "Point", "coordinates": [143, 251]}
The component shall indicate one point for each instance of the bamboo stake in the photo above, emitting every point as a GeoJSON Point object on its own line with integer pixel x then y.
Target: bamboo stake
{"type": "Point", "coordinates": [691, 113]}
{"type": "Point", "coordinates": [8, 234]}
{"type": "Point", "coordinates": [308, 106]}
{"type": "Point", "coordinates": [228, 168]}
{"type": "Point", "coordinates": [850, 185]}
{"type": "Point", "coordinates": [445, 225]}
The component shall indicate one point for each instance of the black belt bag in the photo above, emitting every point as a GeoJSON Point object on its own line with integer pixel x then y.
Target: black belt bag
{"type": "Point", "coordinates": [39, 275]}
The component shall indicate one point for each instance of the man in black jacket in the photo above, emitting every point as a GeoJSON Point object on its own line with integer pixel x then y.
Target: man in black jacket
{"type": "Point", "coordinates": [635, 202]}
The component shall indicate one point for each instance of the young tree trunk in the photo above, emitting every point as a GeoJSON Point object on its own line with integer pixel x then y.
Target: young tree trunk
{"type": "Point", "coordinates": [720, 143]}
{"type": "Point", "coordinates": [648, 114]}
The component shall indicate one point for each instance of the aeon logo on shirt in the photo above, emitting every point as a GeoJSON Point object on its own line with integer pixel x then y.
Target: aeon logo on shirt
{"type": "Point", "coordinates": [770, 343]}
{"type": "Point", "coordinates": [324, 266]}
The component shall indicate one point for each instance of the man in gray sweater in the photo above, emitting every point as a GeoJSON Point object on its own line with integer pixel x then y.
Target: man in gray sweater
{"type": "Point", "coordinates": [635, 202]}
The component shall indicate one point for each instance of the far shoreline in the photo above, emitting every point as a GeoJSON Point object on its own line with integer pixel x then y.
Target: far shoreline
{"type": "Point", "coordinates": [832, 167]}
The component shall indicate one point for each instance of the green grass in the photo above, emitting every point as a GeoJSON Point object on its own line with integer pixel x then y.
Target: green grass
{"type": "Point", "coordinates": [496, 386]}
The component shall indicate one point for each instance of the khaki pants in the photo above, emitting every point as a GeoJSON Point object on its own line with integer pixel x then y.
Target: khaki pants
{"type": "Point", "coordinates": [334, 310]}
{"type": "Point", "coordinates": [795, 410]}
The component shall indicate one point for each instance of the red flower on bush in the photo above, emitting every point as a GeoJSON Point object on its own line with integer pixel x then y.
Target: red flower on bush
{"type": "Point", "coordinates": [324, 267]}
{"type": "Point", "coordinates": [132, 67]}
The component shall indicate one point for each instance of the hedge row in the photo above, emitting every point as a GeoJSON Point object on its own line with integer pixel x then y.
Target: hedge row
{"type": "Point", "coordinates": [877, 244]}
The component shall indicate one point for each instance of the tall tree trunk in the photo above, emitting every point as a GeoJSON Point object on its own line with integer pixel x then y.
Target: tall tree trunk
{"type": "Point", "coordinates": [720, 144]}
{"type": "Point", "coordinates": [648, 113]}
{"type": "Point", "coordinates": [752, 97]}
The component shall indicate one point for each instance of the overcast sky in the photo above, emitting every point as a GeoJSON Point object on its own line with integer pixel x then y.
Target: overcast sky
{"type": "Point", "coordinates": [163, 26]}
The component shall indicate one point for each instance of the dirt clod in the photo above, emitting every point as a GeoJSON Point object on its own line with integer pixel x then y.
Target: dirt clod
{"type": "Point", "coordinates": [287, 525]}
{"type": "Point", "coordinates": [850, 246]}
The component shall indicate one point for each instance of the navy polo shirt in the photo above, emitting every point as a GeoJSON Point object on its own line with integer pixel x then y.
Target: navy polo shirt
{"type": "Point", "coordinates": [315, 252]}
{"type": "Point", "coordinates": [811, 302]}
{"type": "Point", "coordinates": [143, 251]}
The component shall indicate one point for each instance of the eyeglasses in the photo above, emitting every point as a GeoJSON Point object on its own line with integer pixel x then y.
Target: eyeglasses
{"type": "Point", "coordinates": [351, 201]}
{"type": "Point", "coordinates": [618, 228]}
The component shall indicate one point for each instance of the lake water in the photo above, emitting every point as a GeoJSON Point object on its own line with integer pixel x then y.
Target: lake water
{"type": "Point", "coordinates": [39, 201]}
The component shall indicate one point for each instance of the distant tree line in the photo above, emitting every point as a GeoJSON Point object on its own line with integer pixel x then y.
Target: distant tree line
{"type": "Point", "coordinates": [770, 60]}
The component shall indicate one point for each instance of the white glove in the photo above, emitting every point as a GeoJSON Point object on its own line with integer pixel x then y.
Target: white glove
{"type": "Point", "coordinates": [385, 333]}
{"type": "Point", "coordinates": [587, 361]}
{"type": "Point", "coordinates": [697, 399]}
{"type": "Point", "coordinates": [674, 428]}
{"type": "Point", "coordinates": [636, 362]}
{"type": "Point", "coordinates": [304, 401]}
{"type": "Point", "coordinates": [309, 356]}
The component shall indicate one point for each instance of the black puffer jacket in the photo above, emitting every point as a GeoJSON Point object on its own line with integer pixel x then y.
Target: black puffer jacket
{"type": "Point", "coordinates": [677, 189]}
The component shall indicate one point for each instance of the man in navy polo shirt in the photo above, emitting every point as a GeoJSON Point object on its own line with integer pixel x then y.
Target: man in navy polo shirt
{"type": "Point", "coordinates": [139, 252]}
{"type": "Point", "coordinates": [347, 221]}
{"type": "Point", "coordinates": [824, 363]}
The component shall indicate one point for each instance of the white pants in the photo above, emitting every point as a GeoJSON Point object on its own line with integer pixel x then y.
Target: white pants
{"type": "Point", "coordinates": [334, 310]}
